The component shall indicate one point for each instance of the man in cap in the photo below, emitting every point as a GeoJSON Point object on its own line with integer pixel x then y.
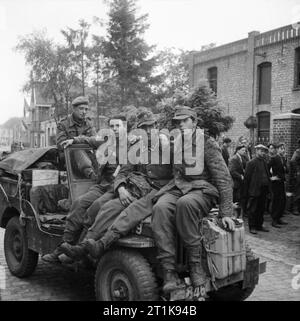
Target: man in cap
{"type": "Point", "coordinates": [257, 185]}
{"type": "Point", "coordinates": [74, 125]}
{"type": "Point", "coordinates": [237, 171]}
{"type": "Point", "coordinates": [186, 199]}
{"type": "Point", "coordinates": [136, 185]}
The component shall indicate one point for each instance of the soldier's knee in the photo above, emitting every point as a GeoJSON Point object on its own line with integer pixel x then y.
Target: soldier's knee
{"type": "Point", "coordinates": [184, 203]}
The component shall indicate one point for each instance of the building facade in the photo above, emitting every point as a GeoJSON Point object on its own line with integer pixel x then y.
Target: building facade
{"type": "Point", "coordinates": [258, 76]}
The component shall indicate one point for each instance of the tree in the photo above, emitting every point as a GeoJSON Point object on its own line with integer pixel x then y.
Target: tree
{"type": "Point", "coordinates": [78, 50]}
{"type": "Point", "coordinates": [129, 62]}
{"type": "Point", "coordinates": [51, 65]}
{"type": "Point", "coordinates": [174, 72]}
{"type": "Point", "coordinates": [210, 117]}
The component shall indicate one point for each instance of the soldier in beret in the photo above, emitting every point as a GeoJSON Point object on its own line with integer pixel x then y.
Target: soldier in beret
{"type": "Point", "coordinates": [74, 125]}
{"type": "Point", "coordinates": [136, 185]}
{"type": "Point", "coordinates": [85, 208]}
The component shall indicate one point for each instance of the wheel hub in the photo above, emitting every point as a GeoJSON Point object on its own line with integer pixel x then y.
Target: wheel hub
{"type": "Point", "coordinates": [121, 288]}
{"type": "Point", "coordinates": [17, 246]}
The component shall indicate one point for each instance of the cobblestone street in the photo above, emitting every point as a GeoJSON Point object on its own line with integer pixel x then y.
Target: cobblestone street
{"type": "Point", "coordinates": [280, 248]}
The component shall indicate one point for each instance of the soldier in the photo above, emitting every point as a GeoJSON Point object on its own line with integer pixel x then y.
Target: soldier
{"type": "Point", "coordinates": [74, 125]}
{"type": "Point", "coordinates": [185, 200]}
{"type": "Point", "coordinates": [84, 209]}
{"type": "Point", "coordinates": [117, 217]}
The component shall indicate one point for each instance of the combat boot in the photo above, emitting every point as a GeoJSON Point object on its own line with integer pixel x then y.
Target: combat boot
{"type": "Point", "coordinates": [171, 281]}
{"type": "Point", "coordinates": [75, 252]}
{"type": "Point", "coordinates": [94, 248]}
{"type": "Point", "coordinates": [53, 257]}
{"type": "Point", "coordinates": [197, 273]}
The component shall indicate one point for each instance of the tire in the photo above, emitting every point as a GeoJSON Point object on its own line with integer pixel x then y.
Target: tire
{"type": "Point", "coordinates": [21, 261]}
{"type": "Point", "coordinates": [124, 275]}
{"type": "Point", "coordinates": [233, 292]}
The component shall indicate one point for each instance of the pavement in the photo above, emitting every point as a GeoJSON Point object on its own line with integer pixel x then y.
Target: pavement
{"type": "Point", "coordinates": [280, 248]}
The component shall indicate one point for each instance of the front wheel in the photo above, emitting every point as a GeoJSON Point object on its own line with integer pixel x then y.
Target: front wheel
{"type": "Point", "coordinates": [21, 261]}
{"type": "Point", "coordinates": [125, 276]}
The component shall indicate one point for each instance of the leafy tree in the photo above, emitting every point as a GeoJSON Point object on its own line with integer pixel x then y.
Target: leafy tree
{"type": "Point", "coordinates": [129, 62]}
{"type": "Point", "coordinates": [79, 51]}
{"type": "Point", "coordinates": [50, 65]}
{"type": "Point", "coordinates": [210, 116]}
{"type": "Point", "coordinates": [174, 71]}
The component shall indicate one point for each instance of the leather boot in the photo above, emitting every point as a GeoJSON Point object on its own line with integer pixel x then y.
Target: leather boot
{"type": "Point", "coordinates": [53, 257]}
{"type": "Point", "coordinates": [171, 281]}
{"type": "Point", "coordinates": [197, 273]}
{"type": "Point", "coordinates": [75, 252]}
{"type": "Point", "coordinates": [94, 248]}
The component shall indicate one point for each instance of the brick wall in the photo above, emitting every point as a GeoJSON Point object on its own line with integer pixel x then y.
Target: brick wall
{"type": "Point", "coordinates": [237, 65]}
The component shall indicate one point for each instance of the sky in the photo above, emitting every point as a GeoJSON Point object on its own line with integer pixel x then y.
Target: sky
{"type": "Point", "coordinates": [186, 24]}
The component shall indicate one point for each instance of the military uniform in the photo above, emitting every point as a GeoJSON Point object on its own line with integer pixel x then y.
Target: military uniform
{"type": "Point", "coordinates": [85, 208]}
{"type": "Point", "coordinates": [184, 201]}
{"type": "Point", "coordinates": [70, 127]}
{"type": "Point", "coordinates": [142, 181]}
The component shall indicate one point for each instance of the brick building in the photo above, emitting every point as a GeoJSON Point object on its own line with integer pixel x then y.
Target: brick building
{"type": "Point", "coordinates": [257, 76]}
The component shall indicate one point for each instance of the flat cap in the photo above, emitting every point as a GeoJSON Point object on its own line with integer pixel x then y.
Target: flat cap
{"type": "Point", "coordinates": [81, 100]}
{"type": "Point", "coordinates": [183, 112]}
{"type": "Point", "coordinates": [261, 146]}
{"type": "Point", "coordinates": [146, 118]}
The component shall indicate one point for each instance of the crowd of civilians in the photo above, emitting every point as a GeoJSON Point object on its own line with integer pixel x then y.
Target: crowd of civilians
{"type": "Point", "coordinates": [260, 181]}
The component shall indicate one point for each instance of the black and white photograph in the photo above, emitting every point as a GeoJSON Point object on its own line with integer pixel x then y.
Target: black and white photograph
{"type": "Point", "coordinates": [150, 151]}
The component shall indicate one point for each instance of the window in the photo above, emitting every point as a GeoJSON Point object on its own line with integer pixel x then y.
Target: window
{"type": "Point", "coordinates": [263, 128]}
{"type": "Point", "coordinates": [212, 76]}
{"type": "Point", "coordinates": [297, 68]}
{"type": "Point", "coordinates": [264, 83]}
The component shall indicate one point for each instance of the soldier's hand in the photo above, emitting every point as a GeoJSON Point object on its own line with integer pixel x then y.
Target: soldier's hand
{"type": "Point", "coordinates": [125, 197]}
{"type": "Point", "coordinates": [67, 143]}
{"type": "Point", "coordinates": [228, 223]}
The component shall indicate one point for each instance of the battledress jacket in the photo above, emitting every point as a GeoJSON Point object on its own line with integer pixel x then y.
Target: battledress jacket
{"type": "Point", "coordinates": [69, 128]}
{"type": "Point", "coordinates": [215, 180]}
{"type": "Point", "coordinates": [154, 176]}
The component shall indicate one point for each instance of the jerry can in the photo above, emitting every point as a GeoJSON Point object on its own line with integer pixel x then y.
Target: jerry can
{"type": "Point", "coordinates": [226, 250]}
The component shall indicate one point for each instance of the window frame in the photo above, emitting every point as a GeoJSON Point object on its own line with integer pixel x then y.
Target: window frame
{"type": "Point", "coordinates": [262, 97]}
{"type": "Point", "coordinates": [260, 130]}
{"type": "Point", "coordinates": [213, 81]}
{"type": "Point", "coordinates": [297, 69]}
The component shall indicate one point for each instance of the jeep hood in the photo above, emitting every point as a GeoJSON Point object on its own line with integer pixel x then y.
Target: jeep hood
{"type": "Point", "coordinates": [16, 162]}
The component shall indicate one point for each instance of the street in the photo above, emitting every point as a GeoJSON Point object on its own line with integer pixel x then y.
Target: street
{"type": "Point", "coordinates": [280, 249]}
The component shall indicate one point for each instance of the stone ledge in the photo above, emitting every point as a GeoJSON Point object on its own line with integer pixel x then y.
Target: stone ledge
{"type": "Point", "coordinates": [286, 116]}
